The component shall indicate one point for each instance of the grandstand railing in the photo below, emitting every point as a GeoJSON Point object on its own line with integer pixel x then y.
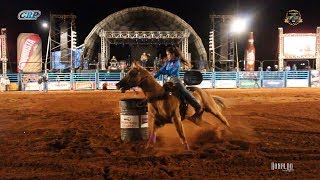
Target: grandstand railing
{"type": "Point", "coordinates": [242, 79]}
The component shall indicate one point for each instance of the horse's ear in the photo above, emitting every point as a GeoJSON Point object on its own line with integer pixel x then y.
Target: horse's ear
{"type": "Point", "coordinates": [136, 64]}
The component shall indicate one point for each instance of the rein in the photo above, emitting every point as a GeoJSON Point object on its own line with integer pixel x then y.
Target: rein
{"type": "Point", "coordinates": [158, 97]}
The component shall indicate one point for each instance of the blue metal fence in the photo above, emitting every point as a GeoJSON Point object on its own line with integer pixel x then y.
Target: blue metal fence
{"type": "Point", "coordinates": [266, 79]}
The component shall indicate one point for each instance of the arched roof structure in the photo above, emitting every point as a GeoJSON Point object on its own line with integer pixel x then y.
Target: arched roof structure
{"type": "Point", "coordinates": [143, 19]}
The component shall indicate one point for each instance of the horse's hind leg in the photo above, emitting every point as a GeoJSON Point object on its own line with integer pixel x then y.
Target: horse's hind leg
{"type": "Point", "coordinates": [213, 109]}
{"type": "Point", "coordinates": [179, 127]}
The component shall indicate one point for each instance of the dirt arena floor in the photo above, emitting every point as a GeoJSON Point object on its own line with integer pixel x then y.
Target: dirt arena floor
{"type": "Point", "coordinates": [76, 134]}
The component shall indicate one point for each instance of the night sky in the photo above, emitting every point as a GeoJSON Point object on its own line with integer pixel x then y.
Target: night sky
{"type": "Point", "coordinates": [266, 17]}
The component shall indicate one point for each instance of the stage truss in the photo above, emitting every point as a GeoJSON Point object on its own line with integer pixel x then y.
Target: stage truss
{"type": "Point", "coordinates": [141, 37]}
{"type": "Point", "coordinates": [3, 50]}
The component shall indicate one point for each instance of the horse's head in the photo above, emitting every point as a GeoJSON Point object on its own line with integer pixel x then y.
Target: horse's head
{"type": "Point", "coordinates": [135, 76]}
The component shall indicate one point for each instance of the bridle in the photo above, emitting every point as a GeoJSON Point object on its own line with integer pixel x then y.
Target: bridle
{"type": "Point", "coordinates": [134, 75]}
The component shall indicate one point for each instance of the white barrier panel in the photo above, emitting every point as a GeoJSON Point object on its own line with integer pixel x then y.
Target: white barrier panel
{"type": "Point", "coordinates": [297, 82]}
{"type": "Point", "coordinates": [32, 86]}
{"type": "Point", "coordinates": [225, 84]}
{"type": "Point", "coordinates": [205, 84]}
{"type": "Point", "coordinates": [63, 85]}
{"type": "Point", "coordinates": [110, 84]}
{"type": "Point", "coordinates": [84, 85]}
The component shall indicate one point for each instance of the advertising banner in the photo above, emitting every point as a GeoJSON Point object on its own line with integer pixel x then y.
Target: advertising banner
{"type": "Point", "coordinates": [249, 84]}
{"type": "Point", "coordinates": [110, 84]}
{"type": "Point", "coordinates": [299, 46]}
{"type": "Point", "coordinates": [273, 83]}
{"type": "Point", "coordinates": [226, 84]}
{"type": "Point", "coordinates": [61, 85]}
{"type": "Point", "coordinates": [29, 52]}
{"type": "Point", "coordinates": [85, 85]}
{"type": "Point", "coordinates": [297, 82]}
{"type": "Point", "coordinates": [14, 87]}
{"type": "Point", "coordinates": [205, 84]}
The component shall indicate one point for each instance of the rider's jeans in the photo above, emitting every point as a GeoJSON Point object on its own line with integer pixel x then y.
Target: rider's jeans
{"type": "Point", "coordinates": [186, 93]}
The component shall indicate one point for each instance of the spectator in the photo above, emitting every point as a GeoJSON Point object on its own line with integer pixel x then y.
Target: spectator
{"type": "Point", "coordinates": [144, 59]}
{"type": "Point", "coordinates": [40, 83]}
{"type": "Point", "coordinates": [7, 83]}
{"type": "Point", "coordinates": [288, 68]}
{"type": "Point", "coordinates": [24, 82]}
{"type": "Point", "coordinates": [294, 67]}
{"type": "Point", "coordinates": [156, 63]}
{"type": "Point", "coordinates": [2, 84]}
{"type": "Point", "coordinates": [45, 82]}
{"type": "Point", "coordinates": [268, 68]}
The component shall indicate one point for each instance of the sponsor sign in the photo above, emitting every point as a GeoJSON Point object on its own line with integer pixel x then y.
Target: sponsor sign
{"type": "Point", "coordinates": [84, 85]}
{"type": "Point", "coordinates": [129, 121]}
{"type": "Point", "coordinates": [62, 85]}
{"type": "Point", "coordinates": [110, 84]}
{"type": "Point", "coordinates": [14, 87]}
{"type": "Point", "coordinates": [29, 52]}
{"type": "Point", "coordinates": [273, 83]}
{"type": "Point", "coordinates": [205, 84]}
{"type": "Point", "coordinates": [32, 86]}
{"type": "Point", "coordinates": [226, 84]}
{"type": "Point", "coordinates": [297, 82]}
{"type": "Point", "coordinates": [249, 84]}
{"type": "Point", "coordinates": [300, 46]}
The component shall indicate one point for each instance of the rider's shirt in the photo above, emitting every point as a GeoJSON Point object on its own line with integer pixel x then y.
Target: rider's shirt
{"type": "Point", "coordinates": [171, 68]}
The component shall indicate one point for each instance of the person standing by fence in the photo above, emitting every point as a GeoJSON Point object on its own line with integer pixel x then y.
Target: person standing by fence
{"type": "Point", "coordinates": [40, 83]}
{"type": "Point", "coordinates": [7, 83]}
{"type": "Point", "coordinates": [45, 82]}
{"type": "Point", "coordinates": [2, 84]}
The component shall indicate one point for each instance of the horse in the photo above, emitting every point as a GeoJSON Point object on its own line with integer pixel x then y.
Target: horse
{"type": "Point", "coordinates": [163, 107]}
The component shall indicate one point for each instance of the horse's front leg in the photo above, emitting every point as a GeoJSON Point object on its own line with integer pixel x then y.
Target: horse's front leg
{"type": "Point", "coordinates": [152, 131]}
{"type": "Point", "coordinates": [176, 119]}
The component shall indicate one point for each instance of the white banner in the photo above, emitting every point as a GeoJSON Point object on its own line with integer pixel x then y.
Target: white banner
{"type": "Point", "coordinates": [59, 85]}
{"type": "Point", "coordinates": [205, 84]}
{"type": "Point", "coordinates": [110, 84]}
{"type": "Point", "coordinates": [225, 84]}
{"type": "Point", "coordinates": [297, 82]}
{"type": "Point", "coordinates": [129, 121]}
{"type": "Point", "coordinates": [85, 85]}
{"type": "Point", "coordinates": [32, 86]}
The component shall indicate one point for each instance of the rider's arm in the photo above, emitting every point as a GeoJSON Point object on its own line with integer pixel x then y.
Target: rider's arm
{"type": "Point", "coordinates": [174, 69]}
{"type": "Point", "coordinates": [162, 70]}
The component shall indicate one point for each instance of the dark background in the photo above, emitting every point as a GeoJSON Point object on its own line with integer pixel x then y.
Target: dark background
{"type": "Point", "coordinates": [266, 17]}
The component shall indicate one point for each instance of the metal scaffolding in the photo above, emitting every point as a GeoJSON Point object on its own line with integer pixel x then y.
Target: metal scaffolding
{"type": "Point", "coordinates": [61, 38]}
{"type": "Point", "coordinates": [222, 47]}
{"type": "Point", "coordinates": [140, 37]}
{"type": "Point", "coordinates": [3, 50]}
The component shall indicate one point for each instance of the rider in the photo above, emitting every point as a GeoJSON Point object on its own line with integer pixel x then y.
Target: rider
{"type": "Point", "coordinates": [172, 68]}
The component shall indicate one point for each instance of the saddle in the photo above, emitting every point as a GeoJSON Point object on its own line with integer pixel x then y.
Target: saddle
{"type": "Point", "coordinates": [171, 89]}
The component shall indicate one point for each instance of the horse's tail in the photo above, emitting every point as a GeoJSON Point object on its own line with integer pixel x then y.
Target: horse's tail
{"type": "Point", "coordinates": [220, 102]}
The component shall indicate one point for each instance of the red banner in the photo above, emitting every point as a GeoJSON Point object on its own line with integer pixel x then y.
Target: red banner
{"type": "Point", "coordinates": [29, 53]}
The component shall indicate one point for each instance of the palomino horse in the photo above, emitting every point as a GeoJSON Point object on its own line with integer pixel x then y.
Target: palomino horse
{"type": "Point", "coordinates": [163, 107]}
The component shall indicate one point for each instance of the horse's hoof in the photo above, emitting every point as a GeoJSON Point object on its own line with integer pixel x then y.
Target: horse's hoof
{"type": "Point", "coordinates": [154, 139]}
{"type": "Point", "coordinates": [186, 145]}
{"type": "Point", "coordinates": [147, 146]}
